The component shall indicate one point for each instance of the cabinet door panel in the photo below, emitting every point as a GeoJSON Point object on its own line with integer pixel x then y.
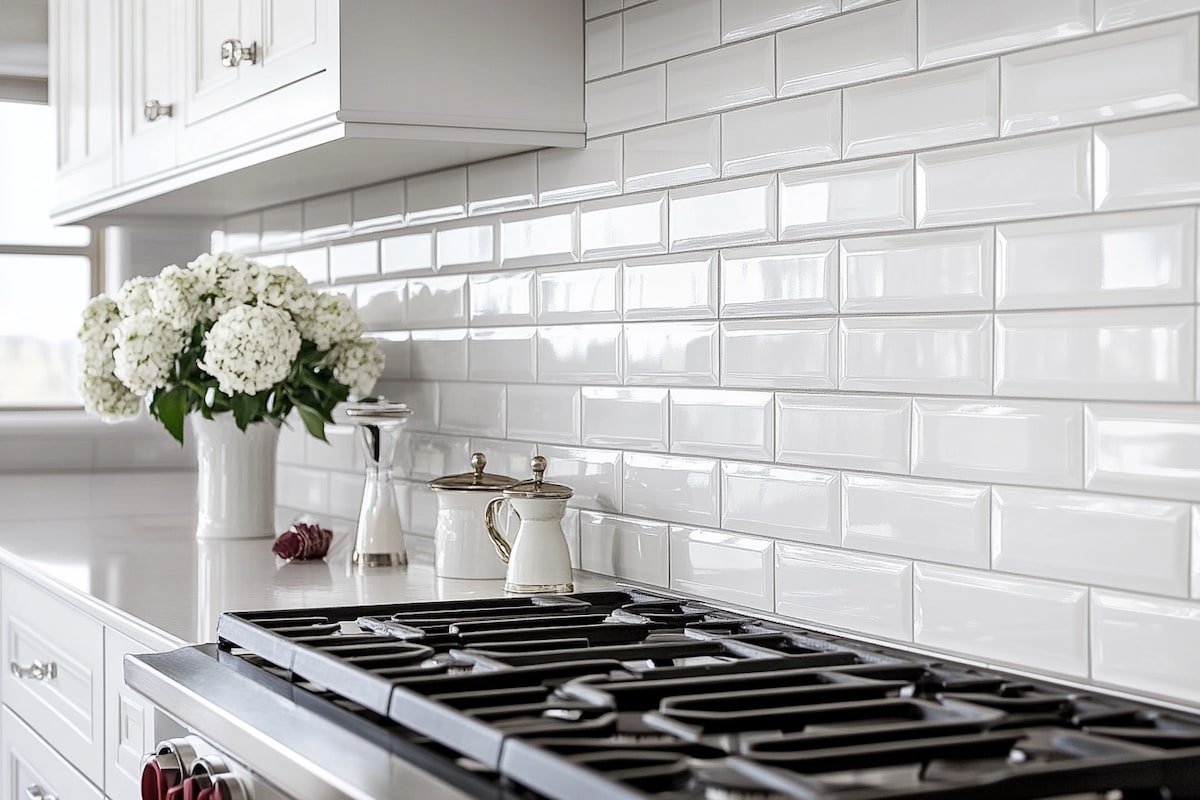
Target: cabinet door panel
{"type": "Point", "coordinates": [148, 146]}
{"type": "Point", "coordinates": [83, 43]}
{"type": "Point", "coordinates": [29, 765]}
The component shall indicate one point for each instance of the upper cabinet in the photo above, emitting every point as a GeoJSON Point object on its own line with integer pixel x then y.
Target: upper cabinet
{"type": "Point", "coordinates": [215, 107]}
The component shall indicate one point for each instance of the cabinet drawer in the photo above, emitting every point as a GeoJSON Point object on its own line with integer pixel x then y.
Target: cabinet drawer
{"type": "Point", "coordinates": [31, 765]}
{"type": "Point", "coordinates": [64, 700]}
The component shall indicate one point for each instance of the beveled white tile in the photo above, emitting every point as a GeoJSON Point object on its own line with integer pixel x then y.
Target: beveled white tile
{"type": "Point", "coordinates": [672, 353]}
{"type": "Point", "coordinates": [433, 456]}
{"type": "Point", "coordinates": [851, 5]}
{"type": "Point", "coordinates": [544, 413]}
{"type": "Point", "coordinates": [382, 305]}
{"type": "Point", "coordinates": [637, 419]}
{"type": "Point", "coordinates": [302, 489]}
{"type": "Point", "coordinates": [727, 567]}
{"type": "Point", "coordinates": [1117, 13]}
{"type": "Point", "coordinates": [845, 199]}
{"type": "Point", "coordinates": [595, 475]}
{"type": "Point", "coordinates": [952, 30]}
{"type": "Point", "coordinates": [505, 457]}
{"type": "Point", "coordinates": [863, 46]}
{"type": "Point", "coordinates": [505, 298]}
{"type": "Point", "coordinates": [745, 18]}
{"type": "Point", "coordinates": [670, 28]}
{"type": "Point", "coordinates": [437, 301]}
{"type": "Point", "coordinates": [1149, 450]}
{"type": "Point", "coordinates": [732, 76]}
{"type": "Point", "coordinates": [782, 502]}
{"type": "Point", "coordinates": [1148, 162]}
{"type": "Point", "coordinates": [408, 253]}
{"type": "Point", "coordinates": [594, 8]}
{"type": "Point", "coordinates": [626, 101]}
{"type": "Point", "coordinates": [474, 409]}
{"type": "Point", "coordinates": [940, 354]}
{"type": "Point", "coordinates": [312, 264]}
{"type": "Point", "coordinates": [1086, 81]}
{"type": "Point", "coordinates": [1127, 627]}
{"type": "Point", "coordinates": [282, 226]}
{"type": "Point", "coordinates": [328, 216]}
{"type": "Point", "coordinates": [292, 438]}
{"type": "Point", "coordinates": [673, 488]}
{"type": "Point", "coordinates": [939, 271]}
{"type": "Point", "coordinates": [861, 593]}
{"type": "Point", "coordinates": [397, 355]}
{"type": "Point", "coordinates": [353, 260]}
{"type": "Point", "coordinates": [945, 106]}
{"type": "Point", "coordinates": [671, 287]}
{"type": "Point", "coordinates": [740, 211]}
{"type": "Point", "coordinates": [471, 244]}
{"type": "Point", "coordinates": [339, 452]}
{"type": "Point", "coordinates": [439, 355]}
{"type": "Point", "coordinates": [779, 280]}
{"type": "Point", "coordinates": [378, 207]}
{"type": "Point", "coordinates": [566, 175]}
{"type": "Point", "coordinates": [1124, 542]}
{"type": "Point", "coordinates": [422, 509]}
{"type": "Point", "coordinates": [589, 293]}
{"type": "Point", "coordinates": [420, 396]}
{"type": "Point", "coordinates": [1109, 354]}
{"type": "Point", "coordinates": [635, 225]}
{"type": "Point", "coordinates": [579, 354]}
{"type": "Point", "coordinates": [1036, 624]}
{"type": "Point", "coordinates": [602, 47]}
{"type": "Point", "coordinates": [673, 154]}
{"type": "Point", "coordinates": [1133, 258]}
{"type": "Point", "coordinates": [502, 184]}
{"type": "Point", "coordinates": [535, 238]}
{"type": "Point", "coordinates": [843, 431]}
{"type": "Point", "coordinates": [787, 133]}
{"type": "Point", "coordinates": [1031, 442]}
{"type": "Point", "coordinates": [723, 423]}
{"type": "Point", "coordinates": [633, 549]}
{"type": "Point", "coordinates": [780, 354]}
{"type": "Point", "coordinates": [436, 196]}
{"type": "Point", "coordinates": [931, 520]}
{"type": "Point", "coordinates": [1039, 176]}
{"type": "Point", "coordinates": [503, 354]}
{"type": "Point", "coordinates": [345, 494]}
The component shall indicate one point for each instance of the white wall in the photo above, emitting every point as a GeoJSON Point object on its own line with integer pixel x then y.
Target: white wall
{"type": "Point", "coordinates": [882, 317]}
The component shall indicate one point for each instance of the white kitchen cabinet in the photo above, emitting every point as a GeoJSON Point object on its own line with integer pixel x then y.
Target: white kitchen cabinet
{"type": "Point", "coordinates": [31, 770]}
{"type": "Point", "coordinates": [151, 87]}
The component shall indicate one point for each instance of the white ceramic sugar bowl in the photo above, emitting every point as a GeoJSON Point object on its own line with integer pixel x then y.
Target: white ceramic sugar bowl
{"type": "Point", "coordinates": [462, 548]}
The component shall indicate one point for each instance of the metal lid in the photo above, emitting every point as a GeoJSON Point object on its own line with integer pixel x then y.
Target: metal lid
{"type": "Point", "coordinates": [381, 410]}
{"type": "Point", "coordinates": [538, 487]}
{"type": "Point", "coordinates": [477, 481]}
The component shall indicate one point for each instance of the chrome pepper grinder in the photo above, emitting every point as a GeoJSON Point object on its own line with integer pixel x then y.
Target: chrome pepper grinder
{"type": "Point", "coordinates": [380, 539]}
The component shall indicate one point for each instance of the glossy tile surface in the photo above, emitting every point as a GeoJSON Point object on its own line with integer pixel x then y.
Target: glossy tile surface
{"type": "Point", "coordinates": [440, 355]}
{"type": "Point", "coordinates": [1125, 627]}
{"type": "Point", "coordinates": [397, 356]}
{"type": "Point", "coordinates": [602, 47]}
{"type": "Point", "coordinates": [436, 196]}
{"type": "Point", "coordinates": [502, 184]}
{"type": "Point", "coordinates": [1150, 162]}
{"type": "Point", "coordinates": [474, 409]}
{"type": "Point", "coordinates": [579, 354]}
{"type": "Point", "coordinates": [633, 549]}
{"type": "Point", "coordinates": [626, 417]}
{"type": "Point", "coordinates": [357, 260]}
{"type": "Point", "coordinates": [579, 294]}
{"type": "Point", "coordinates": [782, 502]}
{"type": "Point", "coordinates": [845, 199]}
{"type": "Point", "coordinates": [548, 414]}
{"type": "Point", "coordinates": [672, 353]}
{"type": "Point", "coordinates": [326, 217]}
{"type": "Point", "coordinates": [780, 354]}
{"type": "Point", "coordinates": [733, 212]}
{"type": "Point", "coordinates": [503, 354]}
{"type": "Point", "coordinates": [410, 252]}
{"type": "Point", "coordinates": [718, 79]}
{"type": "Point", "coordinates": [751, 17]}
{"type": "Point", "coordinates": [668, 287]}
{"type": "Point", "coordinates": [439, 301]}
{"type": "Point", "coordinates": [673, 154]}
{"type": "Point", "coordinates": [281, 226]}
{"type": "Point", "coordinates": [471, 245]}
{"type": "Point", "coordinates": [624, 226]}
{"type": "Point", "coordinates": [536, 238]}
{"type": "Point", "coordinates": [789, 133]}
{"type": "Point", "coordinates": [952, 30]}
{"type": "Point", "coordinates": [843, 431]}
{"type": "Point", "coordinates": [630, 100]}
{"type": "Point", "coordinates": [670, 28]}
{"type": "Point", "coordinates": [382, 305]}
{"type": "Point", "coordinates": [942, 354]}
{"type": "Point", "coordinates": [376, 207]}
{"type": "Point", "coordinates": [673, 488]}
{"type": "Point", "coordinates": [568, 176]}
{"type": "Point", "coordinates": [723, 423]}
{"type": "Point", "coordinates": [1150, 450]}
{"type": "Point", "coordinates": [724, 566]}
{"type": "Point", "coordinates": [941, 271]}
{"type": "Point", "coordinates": [505, 298]}
{"type": "Point", "coordinates": [1117, 13]}
{"type": "Point", "coordinates": [779, 280]}
{"type": "Point", "coordinates": [595, 475]}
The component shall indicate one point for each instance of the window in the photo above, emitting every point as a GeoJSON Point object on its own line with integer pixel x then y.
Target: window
{"type": "Point", "coordinates": [47, 274]}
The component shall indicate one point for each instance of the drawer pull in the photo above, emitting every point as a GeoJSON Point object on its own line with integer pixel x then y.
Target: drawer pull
{"type": "Point", "coordinates": [36, 792]}
{"type": "Point", "coordinates": [155, 110]}
{"type": "Point", "coordinates": [37, 671]}
{"type": "Point", "coordinates": [233, 52]}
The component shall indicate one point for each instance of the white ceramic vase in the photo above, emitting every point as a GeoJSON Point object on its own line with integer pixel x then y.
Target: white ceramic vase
{"type": "Point", "coordinates": [235, 478]}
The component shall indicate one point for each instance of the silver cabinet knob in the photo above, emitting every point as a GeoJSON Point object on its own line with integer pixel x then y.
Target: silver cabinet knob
{"type": "Point", "coordinates": [233, 52]}
{"type": "Point", "coordinates": [37, 671]}
{"type": "Point", "coordinates": [35, 792]}
{"type": "Point", "coordinates": [154, 109]}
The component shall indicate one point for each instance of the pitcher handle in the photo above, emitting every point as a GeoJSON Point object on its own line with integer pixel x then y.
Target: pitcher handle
{"type": "Point", "coordinates": [503, 548]}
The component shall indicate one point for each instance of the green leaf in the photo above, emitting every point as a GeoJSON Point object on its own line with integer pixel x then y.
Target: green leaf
{"type": "Point", "coordinates": [244, 406]}
{"type": "Point", "coordinates": [170, 407]}
{"type": "Point", "coordinates": [313, 421]}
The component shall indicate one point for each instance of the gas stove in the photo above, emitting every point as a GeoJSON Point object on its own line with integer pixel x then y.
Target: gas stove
{"type": "Point", "coordinates": [629, 695]}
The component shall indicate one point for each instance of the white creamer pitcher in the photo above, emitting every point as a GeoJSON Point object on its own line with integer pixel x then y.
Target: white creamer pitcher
{"type": "Point", "coordinates": [462, 548]}
{"type": "Point", "coordinates": [538, 559]}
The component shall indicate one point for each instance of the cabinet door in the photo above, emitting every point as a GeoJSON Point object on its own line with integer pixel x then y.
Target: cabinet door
{"type": "Point", "coordinates": [30, 767]}
{"type": "Point", "coordinates": [150, 77]}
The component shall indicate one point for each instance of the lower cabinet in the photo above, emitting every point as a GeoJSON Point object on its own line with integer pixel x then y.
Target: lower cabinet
{"type": "Point", "coordinates": [32, 770]}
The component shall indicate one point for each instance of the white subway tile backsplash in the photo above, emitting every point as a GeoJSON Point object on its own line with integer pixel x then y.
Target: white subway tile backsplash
{"type": "Point", "coordinates": [421, 397]}
{"type": "Point", "coordinates": [1010, 620]}
{"type": "Point", "coordinates": [673, 488]}
{"type": "Point", "coordinates": [1109, 354]}
{"type": "Point", "coordinates": [666, 287]}
{"type": "Point", "coordinates": [783, 502]}
{"type": "Point", "coordinates": [537, 238]}
{"type": "Point", "coordinates": [862, 46]}
{"type": "Point", "coordinates": [942, 354]}
{"type": "Point", "coordinates": [407, 253]}
{"type": "Point", "coordinates": [670, 28]}
{"type": "Point", "coordinates": [345, 494]}
{"type": "Point", "coordinates": [1133, 258]}
{"type": "Point", "coordinates": [437, 301]}
{"type": "Point", "coordinates": [1149, 450]}
{"type": "Point", "coordinates": [845, 199]}
{"type": "Point", "coordinates": [473, 409]}
{"type": "Point", "coordinates": [504, 456]}
{"type": "Point", "coordinates": [780, 354]}
{"type": "Point", "coordinates": [672, 353]}
{"type": "Point", "coordinates": [548, 414]}
{"type": "Point", "coordinates": [440, 355]}
{"type": "Point", "coordinates": [382, 305]}
{"type": "Point", "coordinates": [668, 155]}
{"type": "Point", "coordinates": [602, 47]}
{"type": "Point", "coordinates": [436, 196]}
{"type": "Point", "coordinates": [358, 260]}
{"type": "Point", "coordinates": [595, 8]}
{"type": "Point", "coordinates": [843, 431]}
{"type": "Point", "coordinates": [952, 30]}
{"type": "Point", "coordinates": [282, 226]}
{"type": "Point", "coordinates": [1090, 80]}
{"type": "Point", "coordinates": [790, 133]}
{"type": "Point", "coordinates": [945, 106]}
{"type": "Point", "coordinates": [377, 207]}
{"type": "Point", "coordinates": [624, 226]}
{"type": "Point", "coordinates": [723, 566]}
{"type": "Point", "coordinates": [422, 509]}
{"type": "Point", "coordinates": [595, 475]}
{"type": "Point", "coordinates": [622, 102]}
{"type": "Point", "coordinates": [579, 294]}
{"type": "Point", "coordinates": [466, 245]}
{"type": "Point", "coordinates": [1117, 13]}
{"type": "Point", "coordinates": [505, 298]}
{"type": "Point", "coordinates": [1147, 644]}
{"type": "Point", "coordinates": [327, 216]}
{"type": "Point", "coordinates": [312, 264]}
{"type": "Point", "coordinates": [503, 354]}
{"type": "Point", "coordinates": [1123, 542]}
{"type": "Point", "coordinates": [297, 487]}
{"type": "Point", "coordinates": [433, 456]}
{"type": "Point", "coordinates": [1038, 176]}
{"type": "Point", "coordinates": [732, 76]}
{"type": "Point", "coordinates": [340, 451]}
{"type": "Point", "coordinates": [937, 271]}
{"type": "Point", "coordinates": [740, 211]}
{"type": "Point", "coordinates": [579, 354]}
{"type": "Point", "coordinates": [502, 184]}
{"type": "Point", "coordinates": [1031, 442]}
{"type": "Point", "coordinates": [723, 423]}
{"type": "Point", "coordinates": [779, 280]}
{"type": "Point", "coordinates": [1148, 162]}
{"type": "Point", "coordinates": [744, 18]}
{"type": "Point", "coordinates": [568, 176]}
{"type": "Point", "coordinates": [854, 591]}
{"type": "Point", "coordinates": [397, 355]}
{"type": "Point", "coordinates": [626, 417]}
{"type": "Point", "coordinates": [633, 549]}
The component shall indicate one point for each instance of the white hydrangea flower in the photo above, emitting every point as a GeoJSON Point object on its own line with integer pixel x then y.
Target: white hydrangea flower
{"type": "Point", "coordinates": [231, 279]}
{"type": "Point", "coordinates": [178, 296]}
{"type": "Point", "coordinates": [96, 341]}
{"type": "Point", "coordinates": [146, 350]}
{"type": "Point", "coordinates": [331, 321]}
{"type": "Point", "coordinates": [357, 364]}
{"type": "Point", "coordinates": [250, 348]}
{"type": "Point", "coordinates": [108, 398]}
{"type": "Point", "coordinates": [134, 297]}
{"type": "Point", "coordinates": [284, 287]}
